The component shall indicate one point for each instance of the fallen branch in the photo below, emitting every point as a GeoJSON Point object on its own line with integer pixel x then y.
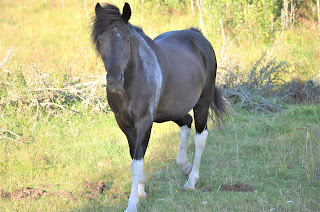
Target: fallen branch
{"type": "Point", "coordinates": [4, 136]}
{"type": "Point", "coordinates": [38, 92]}
{"type": "Point", "coordinates": [256, 90]}
{"type": "Point", "coordinates": [7, 57]}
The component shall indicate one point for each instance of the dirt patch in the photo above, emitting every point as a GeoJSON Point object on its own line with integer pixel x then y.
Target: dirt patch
{"type": "Point", "coordinates": [240, 187]}
{"type": "Point", "coordinates": [63, 194]}
{"type": "Point", "coordinates": [90, 191]}
{"type": "Point", "coordinates": [97, 188]}
{"type": "Point", "coordinates": [3, 194]}
{"type": "Point", "coordinates": [22, 193]}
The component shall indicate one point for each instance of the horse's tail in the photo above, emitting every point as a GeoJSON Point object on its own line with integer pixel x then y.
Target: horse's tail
{"type": "Point", "coordinates": [218, 106]}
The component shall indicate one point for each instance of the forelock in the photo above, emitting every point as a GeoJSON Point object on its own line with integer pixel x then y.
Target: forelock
{"type": "Point", "coordinates": [105, 18]}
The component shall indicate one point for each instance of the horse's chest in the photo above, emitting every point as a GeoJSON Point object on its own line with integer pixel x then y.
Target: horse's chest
{"type": "Point", "coordinates": [118, 103]}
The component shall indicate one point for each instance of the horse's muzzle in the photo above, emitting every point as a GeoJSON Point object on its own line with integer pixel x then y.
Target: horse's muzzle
{"type": "Point", "coordinates": [115, 83]}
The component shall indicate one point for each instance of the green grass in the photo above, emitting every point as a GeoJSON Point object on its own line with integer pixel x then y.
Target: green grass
{"type": "Point", "coordinates": [272, 153]}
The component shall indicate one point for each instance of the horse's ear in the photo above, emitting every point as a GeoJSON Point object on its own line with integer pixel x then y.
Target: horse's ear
{"type": "Point", "coordinates": [98, 7]}
{"type": "Point", "coordinates": [126, 12]}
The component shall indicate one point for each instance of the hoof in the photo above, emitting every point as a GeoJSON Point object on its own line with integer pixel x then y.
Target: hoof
{"type": "Point", "coordinates": [189, 186]}
{"type": "Point", "coordinates": [186, 169]}
{"type": "Point", "coordinates": [132, 204]}
{"type": "Point", "coordinates": [142, 194]}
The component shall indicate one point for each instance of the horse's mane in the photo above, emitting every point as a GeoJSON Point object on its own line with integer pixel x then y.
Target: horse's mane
{"type": "Point", "coordinates": [138, 29]}
{"type": "Point", "coordinates": [105, 18]}
{"type": "Point", "coordinates": [196, 30]}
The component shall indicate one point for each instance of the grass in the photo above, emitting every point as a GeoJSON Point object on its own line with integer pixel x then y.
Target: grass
{"type": "Point", "coordinates": [277, 153]}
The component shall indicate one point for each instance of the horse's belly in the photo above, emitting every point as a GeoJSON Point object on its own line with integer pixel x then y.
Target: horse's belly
{"type": "Point", "coordinates": [177, 105]}
{"type": "Point", "coordinates": [183, 83]}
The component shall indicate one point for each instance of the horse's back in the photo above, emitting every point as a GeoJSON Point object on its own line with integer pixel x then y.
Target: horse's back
{"type": "Point", "coordinates": [180, 36]}
{"type": "Point", "coordinates": [188, 46]}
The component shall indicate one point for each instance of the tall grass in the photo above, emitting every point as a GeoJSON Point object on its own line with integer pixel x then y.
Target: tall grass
{"type": "Point", "coordinates": [55, 35]}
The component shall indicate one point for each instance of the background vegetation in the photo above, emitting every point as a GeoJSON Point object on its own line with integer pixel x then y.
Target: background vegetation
{"type": "Point", "coordinates": [56, 129]}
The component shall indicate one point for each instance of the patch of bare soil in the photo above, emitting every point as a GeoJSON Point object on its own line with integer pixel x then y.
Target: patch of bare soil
{"type": "Point", "coordinates": [240, 187]}
{"type": "Point", "coordinates": [23, 193]}
{"type": "Point", "coordinates": [90, 191]}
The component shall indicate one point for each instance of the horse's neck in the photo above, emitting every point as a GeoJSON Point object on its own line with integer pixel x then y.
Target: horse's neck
{"type": "Point", "coordinates": [151, 69]}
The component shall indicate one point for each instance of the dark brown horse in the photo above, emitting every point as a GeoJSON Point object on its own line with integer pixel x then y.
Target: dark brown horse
{"type": "Point", "coordinates": [156, 81]}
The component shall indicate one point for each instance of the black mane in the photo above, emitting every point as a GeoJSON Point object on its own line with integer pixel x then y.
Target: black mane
{"type": "Point", "coordinates": [138, 29]}
{"type": "Point", "coordinates": [196, 30]}
{"type": "Point", "coordinates": [104, 18]}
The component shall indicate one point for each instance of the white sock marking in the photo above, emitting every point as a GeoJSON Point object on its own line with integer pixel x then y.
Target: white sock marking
{"type": "Point", "coordinates": [136, 174]}
{"type": "Point", "coordinates": [141, 191]}
{"type": "Point", "coordinates": [200, 144]}
{"type": "Point", "coordinates": [182, 159]}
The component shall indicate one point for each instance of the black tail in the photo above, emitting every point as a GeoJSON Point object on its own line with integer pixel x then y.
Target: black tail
{"type": "Point", "coordinates": [218, 105]}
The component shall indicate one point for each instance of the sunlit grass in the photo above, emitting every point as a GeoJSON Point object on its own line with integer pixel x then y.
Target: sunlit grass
{"type": "Point", "coordinates": [55, 36]}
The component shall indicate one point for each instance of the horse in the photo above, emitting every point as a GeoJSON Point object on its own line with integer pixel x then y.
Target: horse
{"type": "Point", "coordinates": [156, 80]}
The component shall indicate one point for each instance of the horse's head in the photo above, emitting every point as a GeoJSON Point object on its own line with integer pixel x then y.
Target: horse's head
{"type": "Point", "coordinates": [113, 39]}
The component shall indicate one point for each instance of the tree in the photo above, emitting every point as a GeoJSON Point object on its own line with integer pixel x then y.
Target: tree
{"type": "Point", "coordinates": [199, 4]}
{"type": "Point", "coordinates": [287, 16]}
{"type": "Point", "coordinates": [318, 14]}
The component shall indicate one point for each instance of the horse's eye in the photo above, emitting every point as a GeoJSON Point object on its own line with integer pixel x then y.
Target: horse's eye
{"type": "Point", "coordinates": [99, 42]}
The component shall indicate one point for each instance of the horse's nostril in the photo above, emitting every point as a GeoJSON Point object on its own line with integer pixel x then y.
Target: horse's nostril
{"type": "Point", "coordinates": [110, 78]}
{"type": "Point", "coordinates": [114, 79]}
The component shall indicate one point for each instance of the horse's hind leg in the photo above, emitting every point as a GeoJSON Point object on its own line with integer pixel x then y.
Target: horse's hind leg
{"type": "Point", "coordinates": [185, 128]}
{"type": "Point", "coordinates": [200, 117]}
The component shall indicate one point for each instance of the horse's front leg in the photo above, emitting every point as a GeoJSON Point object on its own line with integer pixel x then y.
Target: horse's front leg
{"type": "Point", "coordinates": [143, 128]}
{"type": "Point", "coordinates": [129, 130]}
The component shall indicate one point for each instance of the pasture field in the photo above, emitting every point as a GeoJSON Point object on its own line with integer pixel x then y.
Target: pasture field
{"type": "Point", "coordinates": [278, 155]}
{"type": "Point", "coordinates": [59, 147]}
